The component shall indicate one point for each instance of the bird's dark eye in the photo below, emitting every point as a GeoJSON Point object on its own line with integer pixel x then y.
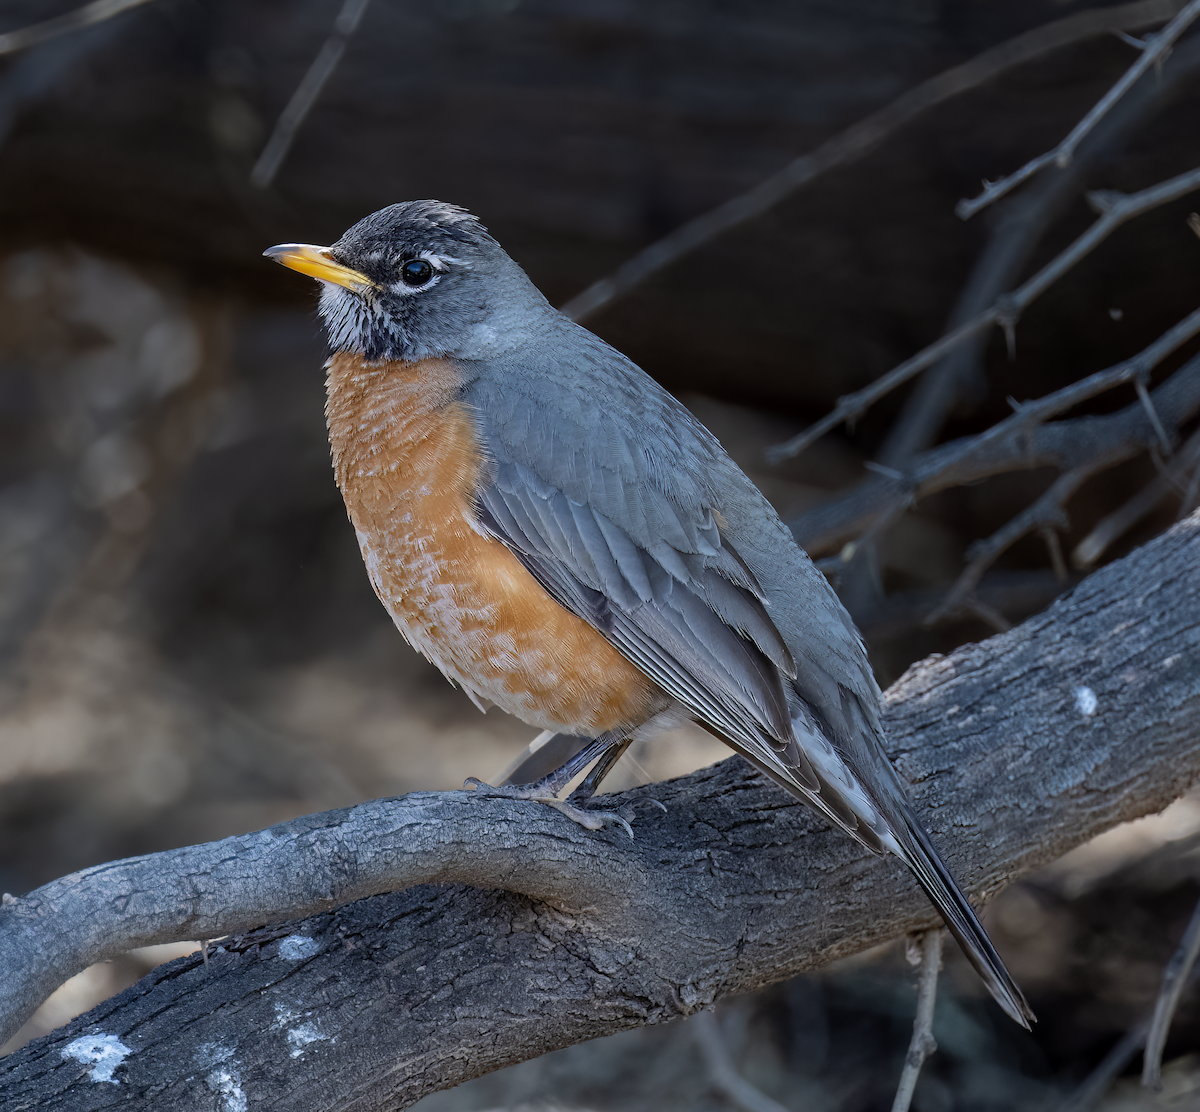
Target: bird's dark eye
{"type": "Point", "coordinates": [416, 272]}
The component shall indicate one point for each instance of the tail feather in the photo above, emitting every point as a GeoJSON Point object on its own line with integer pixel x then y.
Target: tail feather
{"type": "Point", "coordinates": [915, 849]}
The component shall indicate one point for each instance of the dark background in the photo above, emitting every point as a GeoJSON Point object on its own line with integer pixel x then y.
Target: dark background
{"type": "Point", "coordinates": [188, 645]}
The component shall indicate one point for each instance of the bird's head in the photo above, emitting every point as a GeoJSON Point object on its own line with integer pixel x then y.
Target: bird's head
{"type": "Point", "coordinates": [419, 279]}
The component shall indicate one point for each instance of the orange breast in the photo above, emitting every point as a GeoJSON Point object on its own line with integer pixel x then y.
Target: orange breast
{"type": "Point", "coordinates": [406, 458]}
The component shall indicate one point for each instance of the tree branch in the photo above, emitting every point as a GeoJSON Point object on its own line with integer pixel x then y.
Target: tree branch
{"type": "Point", "coordinates": [1020, 441]}
{"type": "Point", "coordinates": [1115, 209]}
{"type": "Point", "coordinates": [292, 118]}
{"type": "Point", "coordinates": [1153, 52]}
{"type": "Point", "coordinates": [922, 1044]}
{"type": "Point", "coordinates": [860, 139]}
{"type": "Point", "coordinates": [529, 933]}
{"type": "Point", "coordinates": [96, 12]}
{"type": "Point", "coordinates": [1172, 479]}
{"type": "Point", "coordinates": [1175, 979]}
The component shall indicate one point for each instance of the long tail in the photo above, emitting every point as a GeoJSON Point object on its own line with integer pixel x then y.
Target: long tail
{"type": "Point", "coordinates": [871, 804]}
{"type": "Point", "coordinates": [914, 848]}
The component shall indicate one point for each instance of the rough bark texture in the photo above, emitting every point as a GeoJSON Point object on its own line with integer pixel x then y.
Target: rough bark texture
{"type": "Point", "coordinates": [527, 933]}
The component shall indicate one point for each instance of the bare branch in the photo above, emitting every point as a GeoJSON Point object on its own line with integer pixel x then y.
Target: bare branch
{"type": "Point", "coordinates": [922, 1045]}
{"type": "Point", "coordinates": [722, 1070]}
{"type": "Point", "coordinates": [96, 12]}
{"type": "Point", "coordinates": [1153, 52]}
{"type": "Point", "coordinates": [1098, 1082]}
{"type": "Point", "coordinates": [542, 934]}
{"type": "Point", "coordinates": [1047, 513]}
{"type": "Point", "coordinates": [999, 594]}
{"type": "Point", "coordinates": [1175, 977]}
{"type": "Point", "coordinates": [1020, 441]}
{"type": "Point", "coordinates": [297, 109]}
{"type": "Point", "coordinates": [1143, 394]}
{"type": "Point", "coordinates": [860, 139]}
{"type": "Point", "coordinates": [1116, 209]}
{"type": "Point", "coordinates": [1116, 524]}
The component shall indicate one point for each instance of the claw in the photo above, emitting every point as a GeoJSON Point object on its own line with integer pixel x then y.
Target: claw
{"type": "Point", "coordinates": [588, 819]}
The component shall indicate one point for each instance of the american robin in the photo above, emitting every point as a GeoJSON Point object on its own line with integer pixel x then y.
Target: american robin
{"type": "Point", "coordinates": [565, 541]}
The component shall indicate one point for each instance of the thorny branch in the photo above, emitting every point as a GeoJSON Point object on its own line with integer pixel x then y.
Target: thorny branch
{"type": "Point", "coordinates": [860, 139]}
{"type": "Point", "coordinates": [1115, 208]}
{"type": "Point", "coordinates": [1023, 440]}
{"type": "Point", "coordinates": [1181, 476]}
{"type": "Point", "coordinates": [1013, 238]}
{"type": "Point", "coordinates": [1153, 52]}
{"type": "Point", "coordinates": [1046, 514]}
{"type": "Point", "coordinates": [1020, 225]}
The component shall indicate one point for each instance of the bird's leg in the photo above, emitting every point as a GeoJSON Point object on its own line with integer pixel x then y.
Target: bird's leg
{"type": "Point", "coordinates": [589, 784]}
{"type": "Point", "coordinates": [605, 750]}
{"type": "Point", "coordinates": [543, 755]}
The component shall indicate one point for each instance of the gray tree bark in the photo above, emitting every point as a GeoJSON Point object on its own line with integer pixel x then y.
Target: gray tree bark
{"type": "Point", "coordinates": [518, 933]}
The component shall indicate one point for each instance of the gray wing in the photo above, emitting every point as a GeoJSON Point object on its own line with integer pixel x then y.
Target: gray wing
{"type": "Point", "coordinates": [631, 515]}
{"type": "Point", "coordinates": [692, 622]}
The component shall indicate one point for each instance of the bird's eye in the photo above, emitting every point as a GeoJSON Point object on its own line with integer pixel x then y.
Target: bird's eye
{"type": "Point", "coordinates": [416, 272]}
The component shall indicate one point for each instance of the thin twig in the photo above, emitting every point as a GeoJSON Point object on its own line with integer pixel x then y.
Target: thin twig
{"type": "Point", "coordinates": [1175, 977]}
{"type": "Point", "coordinates": [1153, 51]}
{"type": "Point", "coordinates": [96, 12]}
{"type": "Point", "coordinates": [1009, 247]}
{"type": "Point", "coordinates": [1144, 397]}
{"type": "Point", "coordinates": [1116, 524]}
{"type": "Point", "coordinates": [307, 92]}
{"type": "Point", "coordinates": [1020, 225]}
{"type": "Point", "coordinates": [1047, 512]}
{"type": "Point", "coordinates": [1009, 444]}
{"type": "Point", "coordinates": [922, 1045]}
{"type": "Point", "coordinates": [1188, 501]}
{"type": "Point", "coordinates": [1054, 546]}
{"type": "Point", "coordinates": [1116, 208]}
{"type": "Point", "coordinates": [1003, 595]}
{"type": "Point", "coordinates": [1098, 1082]}
{"type": "Point", "coordinates": [1021, 441]}
{"type": "Point", "coordinates": [722, 1071]}
{"type": "Point", "coordinates": [1011, 242]}
{"type": "Point", "coordinates": [860, 139]}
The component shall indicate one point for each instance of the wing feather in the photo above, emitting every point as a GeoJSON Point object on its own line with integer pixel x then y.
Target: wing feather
{"type": "Point", "coordinates": [706, 640]}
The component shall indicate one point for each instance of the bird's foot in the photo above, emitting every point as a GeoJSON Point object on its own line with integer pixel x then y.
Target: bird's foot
{"type": "Point", "coordinates": [575, 810]}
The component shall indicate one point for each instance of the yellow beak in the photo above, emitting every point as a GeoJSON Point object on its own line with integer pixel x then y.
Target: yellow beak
{"type": "Point", "coordinates": [317, 263]}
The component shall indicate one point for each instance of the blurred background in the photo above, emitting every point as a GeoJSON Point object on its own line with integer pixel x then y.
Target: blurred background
{"type": "Point", "coordinates": [189, 647]}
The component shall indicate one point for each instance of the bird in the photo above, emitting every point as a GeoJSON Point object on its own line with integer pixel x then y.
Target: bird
{"type": "Point", "coordinates": [564, 540]}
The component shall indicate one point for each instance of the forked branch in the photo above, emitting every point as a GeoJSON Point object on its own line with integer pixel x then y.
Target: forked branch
{"type": "Point", "coordinates": [1115, 209]}
{"type": "Point", "coordinates": [1153, 51]}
